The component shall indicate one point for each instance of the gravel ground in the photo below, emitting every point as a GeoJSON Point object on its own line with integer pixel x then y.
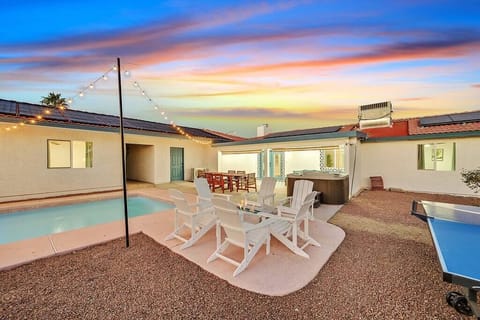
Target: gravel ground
{"type": "Point", "coordinates": [386, 268]}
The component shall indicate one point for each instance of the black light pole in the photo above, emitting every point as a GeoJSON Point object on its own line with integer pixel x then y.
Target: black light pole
{"type": "Point", "coordinates": [124, 169]}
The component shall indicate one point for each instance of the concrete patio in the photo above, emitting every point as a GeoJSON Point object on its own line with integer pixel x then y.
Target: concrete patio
{"type": "Point", "coordinates": [265, 274]}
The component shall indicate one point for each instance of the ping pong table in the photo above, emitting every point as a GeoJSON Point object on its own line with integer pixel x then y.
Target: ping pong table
{"type": "Point", "coordinates": [455, 231]}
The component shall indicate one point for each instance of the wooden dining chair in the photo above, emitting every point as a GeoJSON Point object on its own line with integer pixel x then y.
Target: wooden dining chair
{"type": "Point", "coordinates": [251, 182]}
{"type": "Point", "coordinates": [200, 174]}
{"type": "Point", "coordinates": [241, 182]}
{"type": "Point", "coordinates": [209, 178]}
{"type": "Point", "coordinates": [218, 182]}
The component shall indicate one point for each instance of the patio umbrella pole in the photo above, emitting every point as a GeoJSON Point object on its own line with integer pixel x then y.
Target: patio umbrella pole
{"type": "Point", "coordinates": [124, 171]}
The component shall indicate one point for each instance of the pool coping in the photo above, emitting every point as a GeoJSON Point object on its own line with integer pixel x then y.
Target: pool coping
{"type": "Point", "coordinates": [25, 251]}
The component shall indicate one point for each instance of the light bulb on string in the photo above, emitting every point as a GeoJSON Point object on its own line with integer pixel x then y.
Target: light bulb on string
{"type": "Point", "coordinates": [104, 77]}
{"type": "Point", "coordinates": [91, 86]}
{"type": "Point", "coordinates": [81, 94]}
{"type": "Point", "coordinates": [163, 113]}
{"type": "Point", "coordinates": [127, 73]}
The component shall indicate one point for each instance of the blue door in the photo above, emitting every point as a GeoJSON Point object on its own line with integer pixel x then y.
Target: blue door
{"type": "Point", "coordinates": [176, 164]}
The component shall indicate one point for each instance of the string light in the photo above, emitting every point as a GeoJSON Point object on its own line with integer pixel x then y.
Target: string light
{"type": "Point", "coordinates": [91, 86]}
{"type": "Point", "coordinates": [179, 129]}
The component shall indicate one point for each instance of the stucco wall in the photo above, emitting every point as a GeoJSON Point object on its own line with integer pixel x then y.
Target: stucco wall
{"type": "Point", "coordinates": [141, 162]}
{"type": "Point", "coordinates": [396, 162]}
{"type": "Point", "coordinates": [302, 160]}
{"type": "Point", "coordinates": [246, 162]}
{"type": "Point", "coordinates": [195, 155]}
{"type": "Point", "coordinates": [24, 173]}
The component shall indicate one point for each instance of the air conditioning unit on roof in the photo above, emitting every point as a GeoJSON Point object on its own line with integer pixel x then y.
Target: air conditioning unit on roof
{"type": "Point", "coordinates": [375, 123]}
{"type": "Point", "coordinates": [375, 115]}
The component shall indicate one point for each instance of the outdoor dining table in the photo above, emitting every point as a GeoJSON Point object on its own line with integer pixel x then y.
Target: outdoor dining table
{"type": "Point", "coordinates": [230, 176]}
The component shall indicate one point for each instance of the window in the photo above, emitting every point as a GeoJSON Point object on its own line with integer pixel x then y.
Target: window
{"type": "Point", "coordinates": [334, 159]}
{"type": "Point", "coordinates": [436, 156]}
{"type": "Point", "coordinates": [58, 154]}
{"type": "Point", "coordinates": [69, 154]}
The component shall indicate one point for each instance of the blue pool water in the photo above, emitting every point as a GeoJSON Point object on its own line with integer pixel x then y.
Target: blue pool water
{"type": "Point", "coordinates": [39, 222]}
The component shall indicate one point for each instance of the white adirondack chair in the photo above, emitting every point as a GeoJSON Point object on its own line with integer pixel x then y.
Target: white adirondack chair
{"type": "Point", "coordinates": [301, 189]}
{"type": "Point", "coordinates": [205, 195]}
{"type": "Point", "coordinates": [287, 228]}
{"type": "Point", "coordinates": [239, 233]}
{"type": "Point", "coordinates": [190, 217]}
{"type": "Point", "coordinates": [264, 198]}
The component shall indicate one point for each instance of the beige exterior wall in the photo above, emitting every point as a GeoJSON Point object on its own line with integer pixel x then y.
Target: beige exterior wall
{"type": "Point", "coordinates": [396, 162]}
{"type": "Point", "coordinates": [195, 156]}
{"type": "Point", "coordinates": [24, 173]}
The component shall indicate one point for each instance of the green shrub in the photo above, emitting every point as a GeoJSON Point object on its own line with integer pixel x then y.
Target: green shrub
{"type": "Point", "coordinates": [472, 178]}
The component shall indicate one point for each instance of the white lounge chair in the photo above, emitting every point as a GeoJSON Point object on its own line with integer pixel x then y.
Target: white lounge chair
{"type": "Point", "coordinates": [242, 234]}
{"type": "Point", "coordinates": [287, 227]}
{"type": "Point", "coordinates": [205, 195]}
{"type": "Point", "coordinates": [291, 204]}
{"type": "Point", "coordinates": [264, 198]}
{"type": "Point", "coordinates": [191, 217]}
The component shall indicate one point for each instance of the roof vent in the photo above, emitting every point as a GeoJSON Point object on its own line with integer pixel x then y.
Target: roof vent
{"type": "Point", "coordinates": [375, 115]}
{"type": "Point", "coordinates": [262, 130]}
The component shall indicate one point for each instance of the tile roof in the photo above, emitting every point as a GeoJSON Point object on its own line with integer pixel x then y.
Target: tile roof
{"type": "Point", "coordinates": [399, 128]}
{"type": "Point", "coordinates": [414, 128]}
{"type": "Point", "coordinates": [25, 111]}
{"type": "Point", "coordinates": [228, 136]}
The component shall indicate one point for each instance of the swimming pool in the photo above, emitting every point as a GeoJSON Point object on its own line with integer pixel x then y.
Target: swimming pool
{"type": "Point", "coordinates": [43, 221]}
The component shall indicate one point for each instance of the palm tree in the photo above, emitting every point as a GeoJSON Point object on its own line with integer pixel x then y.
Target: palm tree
{"type": "Point", "coordinates": [54, 100]}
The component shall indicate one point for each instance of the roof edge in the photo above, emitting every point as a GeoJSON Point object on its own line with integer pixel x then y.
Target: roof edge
{"type": "Point", "coordinates": [321, 136]}
{"type": "Point", "coordinates": [429, 136]}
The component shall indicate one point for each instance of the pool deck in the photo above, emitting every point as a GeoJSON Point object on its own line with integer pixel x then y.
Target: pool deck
{"type": "Point", "coordinates": [263, 275]}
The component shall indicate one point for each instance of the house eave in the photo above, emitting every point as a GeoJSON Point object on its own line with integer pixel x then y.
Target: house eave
{"type": "Point", "coordinates": [446, 135]}
{"type": "Point", "coordinates": [322, 136]}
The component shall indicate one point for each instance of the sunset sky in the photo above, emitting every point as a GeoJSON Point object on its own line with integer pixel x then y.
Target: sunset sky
{"type": "Point", "coordinates": [234, 65]}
